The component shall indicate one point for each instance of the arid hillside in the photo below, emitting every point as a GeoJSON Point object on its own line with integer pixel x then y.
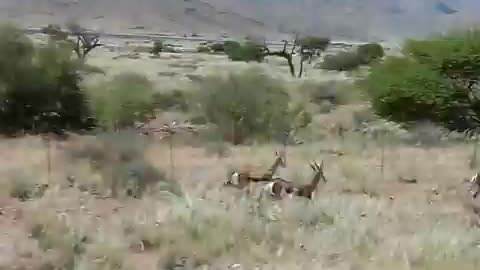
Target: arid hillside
{"type": "Point", "coordinates": [366, 19]}
{"type": "Point", "coordinates": [181, 17]}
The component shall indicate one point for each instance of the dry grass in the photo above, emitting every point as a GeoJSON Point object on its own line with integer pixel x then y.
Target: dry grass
{"type": "Point", "coordinates": [352, 223]}
{"type": "Point", "coordinates": [360, 219]}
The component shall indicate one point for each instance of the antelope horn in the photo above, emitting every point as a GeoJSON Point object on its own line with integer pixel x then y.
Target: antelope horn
{"type": "Point", "coordinates": [315, 165]}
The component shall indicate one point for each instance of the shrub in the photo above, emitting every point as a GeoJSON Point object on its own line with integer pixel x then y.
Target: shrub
{"type": "Point", "coordinates": [370, 52]}
{"type": "Point", "coordinates": [342, 61]}
{"type": "Point", "coordinates": [245, 105]}
{"type": "Point", "coordinates": [157, 47]}
{"type": "Point", "coordinates": [433, 82]}
{"type": "Point", "coordinates": [175, 100]}
{"type": "Point", "coordinates": [230, 46]}
{"type": "Point", "coordinates": [399, 83]}
{"type": "Point", "coordinates": [247, 52]}
{"type": "Point", "coordinates": [123, 100]}
{"type": "Point", "coordinates": [53, 234]}
{"type": "Point", "coordinates": [332, 92]}
{"type": "Point", "coordinates": [314, 43]}
{"type": "Point", "coordinates": [119, 158]}
{"type": "Point", "coordinates": [203, 49]}
{"type": "Point", "coordinates": [40, 86]}
{"type": "Point", "coordinates": [142, 49]}
{"type": "Point", "coordinates": [55, 32]}
{"type": "Point", "coordinates": [23, 186]}
{"type": "Point", "coordinates": [218, 47]}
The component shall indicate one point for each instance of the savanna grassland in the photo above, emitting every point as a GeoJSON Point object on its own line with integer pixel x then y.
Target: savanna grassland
{"type": "Point", "coordinates": [117, 199]}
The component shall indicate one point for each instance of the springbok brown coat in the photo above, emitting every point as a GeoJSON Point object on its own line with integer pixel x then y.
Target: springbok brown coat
{"type": "Point", "coordinates": [243, 178]}
{"type": "Point", "coordinates": [280, 188]}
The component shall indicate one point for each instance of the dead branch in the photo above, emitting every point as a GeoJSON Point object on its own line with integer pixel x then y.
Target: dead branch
{"type": "Point", "coordinates": [85, 42]}
{"type": "Point", "coordinates": [284, 54]}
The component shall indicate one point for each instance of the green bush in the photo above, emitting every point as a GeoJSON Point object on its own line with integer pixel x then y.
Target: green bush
{"type": "Point", "coordinates": [123, 100]}
{"type": "Point", "coordinates": [399, 83]}
{"type": "Point", "coordinates": [342, 61]}
{"type": "Point", "coordinates": [39, 86]}
{"type": "Point", "coordinates": [246, 105]}
{"type": "Point", "coordinates": [370, 52]}
{"type": "Point", "coordinates": [245, 52]}
{"type": "Point", "coordinates": [433, 82]}
{"type": "Point", "coordinates": [230, 46]}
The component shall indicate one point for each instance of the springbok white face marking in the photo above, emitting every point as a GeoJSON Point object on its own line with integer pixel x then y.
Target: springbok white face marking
{"type": "Point", "coordinates": [235, 178]}
{"type": "Point", "coordinates": [474, 179]}
{"type": "Point", "coordinates": [474, 185]}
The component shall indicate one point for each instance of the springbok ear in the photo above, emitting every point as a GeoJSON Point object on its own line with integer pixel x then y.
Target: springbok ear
{"type": "Point", "coordinates": [313, 167]}
{"type": "Point", "coordinates": [321, 166]}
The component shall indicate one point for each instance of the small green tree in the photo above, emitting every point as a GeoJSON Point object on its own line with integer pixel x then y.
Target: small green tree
{"type": "Point", "coordinates": [39, 86]}
{"type": "Point", "coordinates": [55, 31]}
{"type": "Point", "coordinates": [85, 41]}
{"type": "Point", "coordinates": [245, 105]}
{"type": "Point", "coordinates": [120, 102]}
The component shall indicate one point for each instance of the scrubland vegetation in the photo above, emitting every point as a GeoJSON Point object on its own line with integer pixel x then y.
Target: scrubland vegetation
{"type": "Point", "coordinates": [119, 190]}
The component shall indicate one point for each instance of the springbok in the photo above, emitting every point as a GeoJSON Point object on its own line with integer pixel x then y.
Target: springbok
{"type": "Point", "coordinates": [308, 190]}
{"type": "Point", "coordinates": [474, 185]}
{"type": "Point", "coordinates": [243, 178]}
{"type": "Point", "coordinates": [280, 188]}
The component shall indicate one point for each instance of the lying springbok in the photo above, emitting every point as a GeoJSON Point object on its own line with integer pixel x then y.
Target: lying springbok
{"type": "Point", "coordinates": [280, 188]}
{"type": "Point", "coordinates": [243, 178]}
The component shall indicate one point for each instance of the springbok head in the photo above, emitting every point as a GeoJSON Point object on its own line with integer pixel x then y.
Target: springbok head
{"type": "Point", "coordinates": [474, 185]}
{"type": "Point", "coordinates": [233, 178]}
{"type": "Point", "coordinates": [318, 169]}
{"type": "Point", "coordinates": [281, 158]}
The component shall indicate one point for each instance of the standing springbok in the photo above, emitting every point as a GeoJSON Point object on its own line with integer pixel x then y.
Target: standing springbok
{"type": "Point", "coordinates": [308, 191]}
{"type": "Point", "coordinates": [243, 178]}
{"type": "Point", "coordinates": [474, 185]}
{"type": "Point", "coordinates": [280, 188]}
